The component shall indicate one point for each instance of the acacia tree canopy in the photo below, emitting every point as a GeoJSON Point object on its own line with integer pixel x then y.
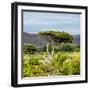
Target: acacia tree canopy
{"type": "Point", "coordinates": [57, 37]}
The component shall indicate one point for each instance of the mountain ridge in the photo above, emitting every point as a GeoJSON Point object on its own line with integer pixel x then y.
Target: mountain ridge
{"type": "Point", "coordinates": [40, 41]}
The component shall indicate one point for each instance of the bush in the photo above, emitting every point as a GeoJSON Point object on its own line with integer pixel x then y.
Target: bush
{"type": "Point", "coordinates": [29, 49]}
{"type": "Point", "coordinates": [26, 66]}
{"type": "Point", "coordinates": [69, 47]}
{"type": "Point", "coordinates": [31, 65]}
{"type": "Point", "coordinates": [63, 63]}
{"type": "Point", "coordinates": [72, 65]}
{"type": "Point", "coordinates": [58, 60]}
{"type": "Point", "coordinates": [66, 63]}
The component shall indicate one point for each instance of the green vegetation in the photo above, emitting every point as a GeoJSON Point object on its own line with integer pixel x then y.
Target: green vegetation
{"type": "Point", "coordinates": [62, 58]}
{"type": "Point", "coordinates": [63, 63]}
{"type": "Point", "coordinates": [69, 47]}
{"type": "Point", "coordinates": [29, 49]}
{"type": "Point", "coordinates": [57, 37]}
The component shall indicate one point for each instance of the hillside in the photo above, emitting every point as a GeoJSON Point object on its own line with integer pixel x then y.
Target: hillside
{"type": "Point", "coordinates": [40, 41]}
{"type": "Point", "coordinates": [34, 39]}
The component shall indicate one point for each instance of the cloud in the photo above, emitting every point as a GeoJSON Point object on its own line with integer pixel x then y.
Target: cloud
{"type": "Point", "coordinates": [43, 21]}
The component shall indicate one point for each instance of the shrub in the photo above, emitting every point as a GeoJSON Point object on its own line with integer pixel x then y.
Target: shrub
{"type": "Point", "coordinates": [63, 63]}
{"type": "Point", "coordinates": [29, 49]}
{"type": "Point", "coordinates": [72, 65]}
{"type": "Point", "coordinates": [69, 47]}
{"type": "Point", "coordinates": [34, 60]}
{"type": "Point", "coordinates": [58, 60]}
{"type": "Point", "coordinates": [31, 65]}
{"type": "Point", "coordinates": [60, 57]}
{"type": "Point", "coordinates": [26, 66]}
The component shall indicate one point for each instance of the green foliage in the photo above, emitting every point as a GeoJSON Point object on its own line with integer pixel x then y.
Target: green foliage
{"type": "Point", "coordinates": [58, 37]}
{"type": "Point", "coordinates": [70, 47]}
{"type": "Point", "coordinates": [29, 49]}
{"type": "Point", "coordinates": [72, 65]}
{"type": "Point", "coordinates": [26, 66]}
{"type": "Point", "coordinates": [63, 63]}
{"type": "Point", "coordinates": [50, 47]}
{"type": "Point", "coordinates": [34, 67]}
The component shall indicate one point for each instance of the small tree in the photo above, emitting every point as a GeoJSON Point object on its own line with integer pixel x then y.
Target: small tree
{"type": "Point", "coordinates": [29, 49]}
{"type": "Point", "coordinates": [57, 37]}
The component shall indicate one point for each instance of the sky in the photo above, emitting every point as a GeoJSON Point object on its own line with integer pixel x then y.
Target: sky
{"type": "Point", "coordinates": [34, 22]}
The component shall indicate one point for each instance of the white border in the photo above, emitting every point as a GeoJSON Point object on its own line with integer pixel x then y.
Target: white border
{"type": "Point", "coordinates": [82, 52]}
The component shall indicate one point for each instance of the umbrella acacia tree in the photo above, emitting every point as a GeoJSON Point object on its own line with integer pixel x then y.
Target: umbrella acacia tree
{"type": "Point", "coordinates": [57, 37]}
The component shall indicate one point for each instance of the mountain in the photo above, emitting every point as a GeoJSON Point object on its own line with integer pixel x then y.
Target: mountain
{"type": "Point", "coordinates": [40, 41]}
{"type": "Point", "coordinates": [34, 39]}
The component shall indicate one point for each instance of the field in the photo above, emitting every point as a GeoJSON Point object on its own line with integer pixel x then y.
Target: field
{"type": "Point", "coordinates": [52, 62]}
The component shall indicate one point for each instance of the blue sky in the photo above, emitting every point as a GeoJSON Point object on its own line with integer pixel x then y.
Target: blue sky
{"type": "Point", "coordinates": [35, 22]}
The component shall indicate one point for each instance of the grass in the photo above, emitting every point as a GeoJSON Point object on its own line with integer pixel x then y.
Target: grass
{"type": "Point", "coordinates": [61, 63]}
